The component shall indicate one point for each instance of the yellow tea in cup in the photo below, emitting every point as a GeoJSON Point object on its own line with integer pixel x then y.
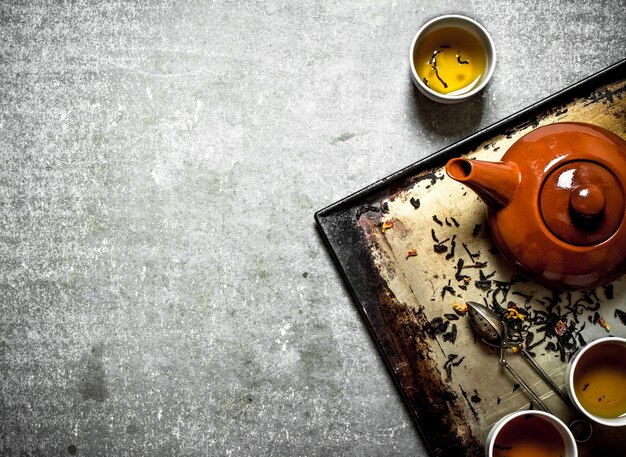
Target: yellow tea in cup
{"type": "Point", "coordinates": [600, 380]}
{"type": "Point", "coordinates": [450, 60]}
{"type": "Point", "coordinates": [529, 435]}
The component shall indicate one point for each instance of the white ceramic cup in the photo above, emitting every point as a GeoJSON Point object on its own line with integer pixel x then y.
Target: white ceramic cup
{"type": "Point", "coordinates": [571, 370]}
{"type": "Point", "coordinates": [465, 23]}
{"type": "Point", "coordinates": [568, 439]}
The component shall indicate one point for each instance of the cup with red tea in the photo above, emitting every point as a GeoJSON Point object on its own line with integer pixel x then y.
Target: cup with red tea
{"type": "Point", "coordinates": [596, 381]}
{"type": "Point", "coordinates": [530, 434]}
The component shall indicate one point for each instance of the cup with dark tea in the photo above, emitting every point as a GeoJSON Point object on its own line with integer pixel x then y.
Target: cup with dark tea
{"type": "Point", "coordinates": [596, 381]}
{"type": "Point", "coordinates": [530, 434]}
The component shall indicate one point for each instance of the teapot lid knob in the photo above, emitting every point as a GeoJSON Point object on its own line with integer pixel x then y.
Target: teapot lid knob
{"type": "Point", "coordinates": [587, 201]}
{"type": "Point", "coordinates": [582, 203]}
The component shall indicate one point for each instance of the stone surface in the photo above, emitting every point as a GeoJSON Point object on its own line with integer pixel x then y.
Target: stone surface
{"type": "Point", "coordinates": [164, 290]}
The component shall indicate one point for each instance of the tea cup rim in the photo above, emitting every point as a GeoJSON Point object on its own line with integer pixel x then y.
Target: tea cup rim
{"type": "Point", "coordinates": [568, 437]}
{"type": "Point", "coordinates": [569, 384]}
{"type": "Point", "coordinates": [466, 23]}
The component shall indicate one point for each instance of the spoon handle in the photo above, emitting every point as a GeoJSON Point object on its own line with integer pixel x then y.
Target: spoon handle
{"type": "Point", "coordinates": [546, 377]}
{"type": "Point", "coordinates": [517, 377]}
{"type": "Point", "coordinates": [581, 428]}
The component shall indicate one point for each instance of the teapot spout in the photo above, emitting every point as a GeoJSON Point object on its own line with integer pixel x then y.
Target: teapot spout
{"type": "Point", "coordinates": [494, 182]}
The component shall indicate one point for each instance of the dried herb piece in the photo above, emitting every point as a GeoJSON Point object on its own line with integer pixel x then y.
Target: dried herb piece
{"type": "Point", "coordinates": [432, 233]}
{"type": "Point", "coordinates": [596, 317]}
{"type": "Point", "coordinates": [475, 398]}
{"type": "Point", "coordinates": [451, 335]}
{"type": "Point", "coordinates": [621, 315]}
{"type": "Point", "coordinates": [437, 221]}
{"type": "Point", "coordinates": [515, 387]}
{"type": "Point", "coordinates": [460, 309]}
{"type": "Point", "coordinates": [477, 265]}
{"type": "Point", "coordinates": [436, 323]}
{"type": "Point", "coordinates": [451, 363]}
{"type": "Point", "coordinates": [458, 59]}
{"type": "Point", "coordinates": [448, 289]}
{"type": "Point", "coordinates": [448, 366]}
{"type": "Point", "coordinates": [608, 291]}
{"type": "Point", "coordinates": [452, 246]}
{"type": "Point", "coordinates": [386, 225]}
{"type": "Point", "coordinates": [415, 201]}
{"type": "Point", "coordinates": [433, 65]}
{"type": "Point", "coordinates": [477, 228]}
{"type": "Point", "coordinates": [483, 276]}
{"type": "Point", "coordinates": [485, 284]}
{"type": "Point", "coordinates": [471, 254]}
{"type": "Point", "coordinates": [439, 248]}
{"type": "Point", "coordinates": [459, 270]}
{"type": "Point", "coordinates": [366, 209]}
{"type": "Point", "coordinates": [451, 317]}
{"type": "Point", "coordinates": [425, 81]}
{"type": "Point", "coordinates": [411, 253]}
{"type": "Point", "coordinates": [604, 324]}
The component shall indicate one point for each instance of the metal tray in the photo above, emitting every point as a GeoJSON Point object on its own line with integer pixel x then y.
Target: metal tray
{"type": "Point", "coordinates": [453, 384]}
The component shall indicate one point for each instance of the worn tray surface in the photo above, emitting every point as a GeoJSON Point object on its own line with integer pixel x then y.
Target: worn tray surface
{"type": "Point", "coordinates": [453, 383]}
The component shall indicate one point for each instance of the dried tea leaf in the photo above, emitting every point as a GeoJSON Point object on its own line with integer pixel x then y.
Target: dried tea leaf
{"type": "Point", "coordinates": [440, 248]}
{"type": "Point", "coordinates": [451, 335]}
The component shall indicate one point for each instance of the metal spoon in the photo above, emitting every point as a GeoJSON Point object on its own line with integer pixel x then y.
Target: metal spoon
{"type": "Point", "coordinates": [493, 332]}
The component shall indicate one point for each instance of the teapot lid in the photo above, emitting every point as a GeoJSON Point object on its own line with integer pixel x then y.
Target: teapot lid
{"type": "Point", "coordinates": [582, 203]}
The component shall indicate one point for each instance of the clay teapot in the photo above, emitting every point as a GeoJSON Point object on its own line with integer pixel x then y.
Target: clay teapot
{"type": "Point", "coordinates": [556, 203]}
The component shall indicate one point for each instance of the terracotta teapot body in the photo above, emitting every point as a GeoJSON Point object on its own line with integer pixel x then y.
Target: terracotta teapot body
{"type": "Point", "coordinates": [556, 203]}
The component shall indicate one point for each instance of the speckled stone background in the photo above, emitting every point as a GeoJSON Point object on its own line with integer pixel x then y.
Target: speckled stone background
{"type": "Point", "coordinates": [163, 288]}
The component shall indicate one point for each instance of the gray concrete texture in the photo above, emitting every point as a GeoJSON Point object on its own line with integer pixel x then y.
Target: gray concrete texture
{"type": "Point", "coordinates": [163, 288]}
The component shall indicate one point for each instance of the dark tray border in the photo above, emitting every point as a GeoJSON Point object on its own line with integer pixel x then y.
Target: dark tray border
{"type": "Point", "coordinates": [342, 237]}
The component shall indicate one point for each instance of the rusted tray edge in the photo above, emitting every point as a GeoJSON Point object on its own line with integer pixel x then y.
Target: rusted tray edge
{"type": "Point", "coordinates": [352, 256]}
